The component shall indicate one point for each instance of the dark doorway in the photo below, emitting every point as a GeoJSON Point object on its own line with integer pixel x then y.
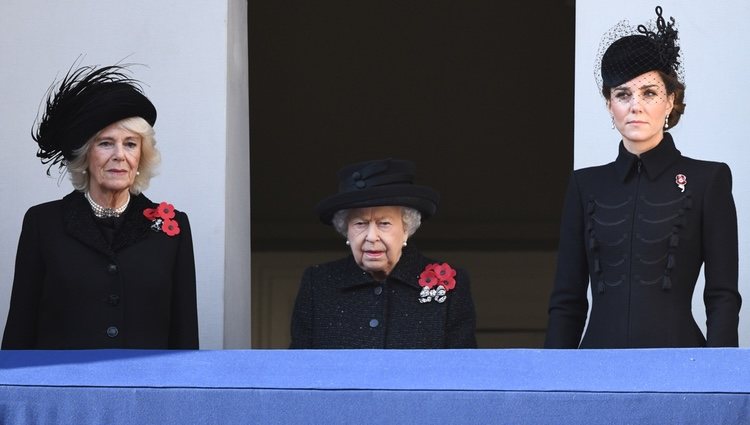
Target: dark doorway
{"type": "Point", "coordinates": [478, 94]}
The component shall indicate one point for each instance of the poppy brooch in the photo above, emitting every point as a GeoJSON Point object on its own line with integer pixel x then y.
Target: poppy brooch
{"type": "Point", "coordinates": [436, 280]}
{"type": "Point", "coordinates": [162, 218]}
{"type": "Point", "coordinates": [681, 181]}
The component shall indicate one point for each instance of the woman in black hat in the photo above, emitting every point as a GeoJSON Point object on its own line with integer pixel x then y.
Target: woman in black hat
{"type": "Point", "coordinates": [640, 228]}
{"type": "Point", "coordinates": [385, 294]}
{"type": "Point", "coordinates": [104, 267]}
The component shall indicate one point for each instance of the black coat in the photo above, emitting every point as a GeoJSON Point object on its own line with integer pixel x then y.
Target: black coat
{"type": "Point", "coordinates": [641, 240]}
{"type": "Point", "coordinates": [74, 290]}
{"type": "Point", "coordinates": [341, 306]}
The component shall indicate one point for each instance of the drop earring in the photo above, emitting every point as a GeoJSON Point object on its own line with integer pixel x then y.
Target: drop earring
{"type": "Point", "coordinates": [613, 122]}
{"type": "Point", "coordinates": [666, 122]}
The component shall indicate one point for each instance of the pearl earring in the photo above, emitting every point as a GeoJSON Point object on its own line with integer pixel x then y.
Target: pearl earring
{"type": "Point", "coordinates": [347, 242]}
{"type": "Point", "coordinates": [404, 243]}
{"type": "Point", "coordinates": [137, 173]}
{"type": "Point", "coordinates": [666, 122]}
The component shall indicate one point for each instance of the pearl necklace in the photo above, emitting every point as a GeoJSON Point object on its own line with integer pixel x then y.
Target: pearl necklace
{"type": "Point", "coordinates": [104, 212]}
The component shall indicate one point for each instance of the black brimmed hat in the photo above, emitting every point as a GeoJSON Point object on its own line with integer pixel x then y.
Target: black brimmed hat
{"type": "Point", "coordinates": [631, 55]}
{"type": "Point", "coordinates": [377, 183]}
{"type": "Point", "coordinates": [87, 100]}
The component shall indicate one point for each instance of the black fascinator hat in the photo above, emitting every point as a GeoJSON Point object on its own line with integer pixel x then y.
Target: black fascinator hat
{"type": "Point", "coordinates": [87, 100]}
{"type": "Point", "coordinates": [379, 183]}
{"type": "Point", "coordinates": [645, 50]}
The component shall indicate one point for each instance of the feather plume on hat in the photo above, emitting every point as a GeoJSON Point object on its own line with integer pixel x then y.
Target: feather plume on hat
{"type": "Point", "coordinates": [87, 100]}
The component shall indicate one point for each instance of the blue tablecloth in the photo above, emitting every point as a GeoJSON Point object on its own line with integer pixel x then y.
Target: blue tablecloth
{"type": "Point", "coordinates": [709, 386]}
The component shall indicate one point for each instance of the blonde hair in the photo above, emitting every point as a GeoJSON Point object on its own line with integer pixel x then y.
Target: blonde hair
{"type": "Point", "coordinates": [150, 157]}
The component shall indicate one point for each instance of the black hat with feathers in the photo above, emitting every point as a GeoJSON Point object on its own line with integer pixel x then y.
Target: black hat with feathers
{"type": "Point", "coordinates": [87, 100]}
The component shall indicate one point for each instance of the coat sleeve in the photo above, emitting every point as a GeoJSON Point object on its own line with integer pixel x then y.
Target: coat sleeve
{"type": "Point", "coordinates": [721, 296]}
{"type": "Point", "coordinates": [183, 325]}
{"type": "Point", "coordinates": [302, 316]}
{"type": "Point", "coordinates": [461, 320]}
{"type": "Point", "coordinates": [20, 329]}
{"type": "Point", "coordinates": [568, 304]}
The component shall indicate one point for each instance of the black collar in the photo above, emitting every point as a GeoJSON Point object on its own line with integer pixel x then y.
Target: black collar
{"type": "Point", "coordinates": [406, 271]}
{"type": "Point", "coordinates": [80, 223]}
{"type": "Point", "coordinates": [653, 162]}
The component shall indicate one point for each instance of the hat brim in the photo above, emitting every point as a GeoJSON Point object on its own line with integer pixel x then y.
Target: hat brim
{"type": "Point", "coordinates": [421, 198]}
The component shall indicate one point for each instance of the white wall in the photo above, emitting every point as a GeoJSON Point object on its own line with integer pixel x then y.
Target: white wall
{"type": "Point", "coordinates": [237, 286]}
{"type": "Point", "coordinates": [714, 39]}
{"type": "Point", "coordinates": [191, 68]}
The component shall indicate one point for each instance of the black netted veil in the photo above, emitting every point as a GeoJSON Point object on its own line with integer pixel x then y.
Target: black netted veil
{"type": "Point", "coordinates": [626, 52]}
{"type": "Point", "coordinates": [87, 100]}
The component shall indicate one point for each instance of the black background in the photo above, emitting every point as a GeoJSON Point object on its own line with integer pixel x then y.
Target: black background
{"type": "Point", "coordinates": [478, 93]}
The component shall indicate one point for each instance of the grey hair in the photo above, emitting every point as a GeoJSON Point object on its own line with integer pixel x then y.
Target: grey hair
{"type": "Point", "coordinates": [150, 157]}
{"type": "Point", "coordinates": [411, 218]}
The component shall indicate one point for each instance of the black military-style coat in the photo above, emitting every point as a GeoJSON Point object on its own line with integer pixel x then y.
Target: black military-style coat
{"type": "Point", "coordinates": [341, 306]}
{"type": "Point", "coordinates": [73, 290]}
{"type": "Point", "coordinates": [639, 229]}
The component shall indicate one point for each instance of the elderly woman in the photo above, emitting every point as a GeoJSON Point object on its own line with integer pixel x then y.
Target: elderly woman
{"type": "Point", "coordinates": [640, 228]}
{"type": "Point", "coordinates": [385, 294]}
{"type": "Point", "coordinates": [104, 267]}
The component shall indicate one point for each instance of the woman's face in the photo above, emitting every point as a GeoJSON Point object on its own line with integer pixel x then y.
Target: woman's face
{"type": "Point", "coordinates": [639, 109]}
{"type": "Point", "coordinates": [376, 236]}
{"type": "Point", "coordinates": [113, 160]}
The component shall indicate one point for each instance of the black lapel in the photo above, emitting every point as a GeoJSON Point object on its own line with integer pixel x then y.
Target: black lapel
{"type": "Point", "coordinates": [409, 267]}
{"type": "Point", "coordinates": [80, 223]}
{"type": "Point", "coordinates": [135, 225]}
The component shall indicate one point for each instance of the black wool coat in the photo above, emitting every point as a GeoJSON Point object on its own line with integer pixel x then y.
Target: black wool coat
{"type": "Point", "coordinates": [641, 239]}
{"type": "Point", "coordinates": [73, 290]}
{"type": "Point", "coordinates": [341, 306]}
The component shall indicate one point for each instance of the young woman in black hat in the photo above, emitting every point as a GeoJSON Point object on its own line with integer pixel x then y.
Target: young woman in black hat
{"type": "Point", "coordinates": [385, 294]}
{"type": "Point", "coordinates": [104, 267]}
{"type": "Point", "coordinates": [640, 228]}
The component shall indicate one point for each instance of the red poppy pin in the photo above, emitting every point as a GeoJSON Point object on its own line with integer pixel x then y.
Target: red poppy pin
{"type": "Point", "coordinates": [162, 218]}
{"type": "Point", "coordinates": [436, 280]}
{"type": "Point", "coordinates": [681, 181]}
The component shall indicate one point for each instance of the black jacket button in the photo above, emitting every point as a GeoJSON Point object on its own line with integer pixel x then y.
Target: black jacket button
{"type": "Point", "coordinates": [112, 331]}
{"type": "Point", "coordinates": [378, 290]}
{"type": "Point", "coordinates": [113, 299]}
{"type": "Point", "coordinates": [112, 268]}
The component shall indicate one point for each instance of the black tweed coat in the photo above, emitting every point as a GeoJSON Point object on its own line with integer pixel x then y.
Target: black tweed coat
{"type": "Point", "coordinates": [341, 306]}
{"type": "Point", "coordinates": [641, 239]}
{"type": "Point", "coordinates": [74, 290]}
